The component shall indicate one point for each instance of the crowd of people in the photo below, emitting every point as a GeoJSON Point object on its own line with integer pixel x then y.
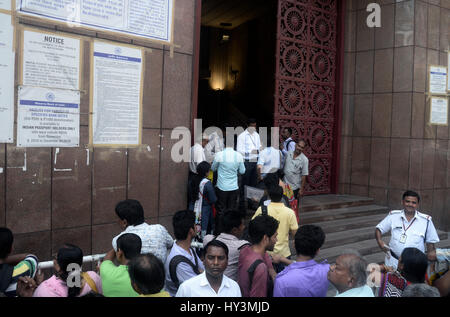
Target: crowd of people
{"type": "Point", "coordinates": [213, 253]}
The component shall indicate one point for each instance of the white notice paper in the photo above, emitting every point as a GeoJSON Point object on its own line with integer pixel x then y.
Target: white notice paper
{"type": "Point", "coordinates": [5, 5]}
{"type": "Point", "coordinates": [6, 96]}
{"type": "Point", "coordinates": [438, 80]}
{"type": "Point", "coordinates": [6, 32]}
{"type": "Point", "coordinates": [439, 111]}
{"type": "Point", "coordinates": [116, 94]}
{"type": "Point", "coordinates": [448, 67]}
{"type": "Point", "coordinates": [151, 19]}
{"type": "Point", "coordinates": [48, 117]}
{"type": "Point", "coordinates": [51, 60]}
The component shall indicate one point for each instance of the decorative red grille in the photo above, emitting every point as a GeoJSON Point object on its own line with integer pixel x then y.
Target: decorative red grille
{"type": "Point", "coordinates": [306, 81]}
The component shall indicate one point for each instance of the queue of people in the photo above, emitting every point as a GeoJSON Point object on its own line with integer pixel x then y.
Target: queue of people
{"type": "Point", "coordinates": [214, 254]}
{"type": "Point", "coordinates": [229, 266]}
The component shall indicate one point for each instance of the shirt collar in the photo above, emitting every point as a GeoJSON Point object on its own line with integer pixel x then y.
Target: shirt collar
{"type": "Point", "coordinates": [228, 236]}
{"type": "Point", "coordinates": [404, 216]}
{"type": "Point", "coordinates": [204, 281]}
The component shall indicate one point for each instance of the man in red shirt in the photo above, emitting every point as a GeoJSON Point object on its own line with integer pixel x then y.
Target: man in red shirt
{"type": "Point", "coordinates": [256, 273]}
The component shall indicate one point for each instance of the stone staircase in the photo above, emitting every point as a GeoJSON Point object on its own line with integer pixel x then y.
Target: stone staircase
{"type": "Point", "coordinates": [349, 223]}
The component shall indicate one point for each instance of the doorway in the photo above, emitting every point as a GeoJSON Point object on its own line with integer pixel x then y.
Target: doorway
{"type": "Point", "coordinates": [279, 61]}
{"type": "Point", "coordinates": [237, 62]}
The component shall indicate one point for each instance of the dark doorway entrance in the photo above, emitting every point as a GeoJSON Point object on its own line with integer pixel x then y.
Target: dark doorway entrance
{"type": "Point", "coordinates": [279, 61]}
{"type": "Point", "coordinates": [237, 62]}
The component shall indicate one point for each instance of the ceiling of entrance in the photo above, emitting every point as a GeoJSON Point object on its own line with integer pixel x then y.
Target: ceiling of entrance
{"type": "Point", "coordinates": [236, 12]}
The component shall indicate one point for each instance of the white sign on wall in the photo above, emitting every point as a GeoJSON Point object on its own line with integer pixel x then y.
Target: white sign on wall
{"type": "Point", "coordinates": [7, 58]}
{"type": "Point", "coordinates": [439, 111]}
{"type": "Point", "coordinates": [5, 5]}
{"type": "Point", "coordinates": [116, 94]}
{"type": "Point", "coordinates": [147, 19]}
{"type": "Point", "coordinates": [438, 80]}
{"type": "Point", "coordinates": [48, 117]}
{"type": "Point", "coordinates": [50, 60]}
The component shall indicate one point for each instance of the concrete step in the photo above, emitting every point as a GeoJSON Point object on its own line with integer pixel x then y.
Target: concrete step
{"type": "Point", "coordinates": [350, 223]}
{"type": "Point", "coordinates": [341, 213]}
{"type": "Point", "coordinates": [323, 202]}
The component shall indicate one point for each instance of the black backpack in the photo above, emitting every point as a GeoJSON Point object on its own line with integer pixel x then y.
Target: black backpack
{"type": "Point", "coordinates": [251, 271]}
{"type": "Point", "coordinates": [179, 259]}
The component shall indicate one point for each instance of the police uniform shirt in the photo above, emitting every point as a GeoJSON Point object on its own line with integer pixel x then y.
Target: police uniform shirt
{"type": "Point", "coordinates": [419, 230]}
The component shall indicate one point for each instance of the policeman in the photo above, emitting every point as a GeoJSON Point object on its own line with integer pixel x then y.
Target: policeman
{"type": "Point", "coordinates": [408, 227]}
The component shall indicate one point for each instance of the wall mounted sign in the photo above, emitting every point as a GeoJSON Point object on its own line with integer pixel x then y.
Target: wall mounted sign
{"type": "Point", "coordinates": [138, 18]}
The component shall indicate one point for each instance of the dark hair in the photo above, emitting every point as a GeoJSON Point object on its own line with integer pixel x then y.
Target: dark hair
{"type": "Point", "coordinates": [6, 242]}
{"type": "Point", "coordinates": [275, 193]}
{"type": "Point", "coordinates": [202, 171]}
{"type": "Point", "coordinates": [231, 219]}
{"type": "Point", "coordinates": [147, 272]}
{"type": "Point", "coordinates": [69, 254]}
{"type": "Point", "coordinates": [309, 239]}
{"type": "Point", "coordinates": [183, 221]}
{"type": "Point", "coordinates": [410, 193]}
{"type": "Point", "coordinates": [289, 130]}
{"type": "Point", "coordinates": [130, 244]}
{"type": "Point", "coordinates": [131, 210]}
{"type": "Point", "coordinates": [415, 264]}
{"type": "Point", "coordinates": [251, 121]}
{"type": "Point", "coordinates": [216, 243]}
{"type": "Point", "coordinates": [260, 226]}
{"type": "Point", "coordinates": [271, 180]}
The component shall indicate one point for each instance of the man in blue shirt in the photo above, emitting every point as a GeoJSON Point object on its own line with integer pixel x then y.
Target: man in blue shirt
{"type": "Point", "coordinates": [228, 164]}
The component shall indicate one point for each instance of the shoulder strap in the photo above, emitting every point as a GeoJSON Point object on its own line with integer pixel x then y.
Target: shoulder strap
{"type": "Point", "coordinates": [264, 209]}
{"type": "Point", "coordinates": [90, 281]}
{"type": "Point", "coordinates": [251, 271]}
{"type": "Point", "coordinates": [177, 260]}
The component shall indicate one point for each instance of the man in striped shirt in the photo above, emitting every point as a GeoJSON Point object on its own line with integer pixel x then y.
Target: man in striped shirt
{"type": "Point", "coordinates": [12, 267]}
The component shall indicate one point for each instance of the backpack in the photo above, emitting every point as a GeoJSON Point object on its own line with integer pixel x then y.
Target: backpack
{"type": "Point", "coordinates": [251, 271]}
{"type": "Point", "coordinates": [177, 259]}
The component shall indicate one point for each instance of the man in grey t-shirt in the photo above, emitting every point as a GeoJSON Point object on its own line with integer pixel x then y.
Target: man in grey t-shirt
{"type": "Point", "coordinates": [296, 169]}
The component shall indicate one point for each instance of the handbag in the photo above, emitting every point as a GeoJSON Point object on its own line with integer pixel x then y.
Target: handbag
{"type": "Point", "coordinates": [212, 205]}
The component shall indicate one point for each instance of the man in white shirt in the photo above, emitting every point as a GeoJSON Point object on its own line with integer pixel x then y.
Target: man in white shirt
{"type": "Point", "coordinates": [408, 228]}
{"type": "Point", "coordinates": [214, 146]}
{"type": "Point", "coordinates": [249, 145]}
{"type": "Point", "coordinates": [155, 238]}
{"type": "Point", "coordinates": [289, 144]}
{"type": "Point", "coordinates": [198, 153]}
{"type": "Point", "coordinates": [212, 282]}
{"type": "Point", "coordinates": [349, 276]}
{"type": "Point", "coordinates": [296, 169]}
{"type": "Point", "coordinates": [269, 161]}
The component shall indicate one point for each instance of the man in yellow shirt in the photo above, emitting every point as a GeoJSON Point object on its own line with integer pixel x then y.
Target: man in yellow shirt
{"type": "Point", "coordinates": [288, 224]}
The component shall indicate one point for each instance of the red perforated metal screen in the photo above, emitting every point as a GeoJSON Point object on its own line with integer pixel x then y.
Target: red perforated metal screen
{"type": "Point", "coordinates": [305, 92]}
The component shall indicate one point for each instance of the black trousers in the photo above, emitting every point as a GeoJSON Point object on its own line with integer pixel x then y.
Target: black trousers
{"type": "Point", "coordinates": [249, 179]}
{"type": "Point", "coordinates": [227, 200]}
